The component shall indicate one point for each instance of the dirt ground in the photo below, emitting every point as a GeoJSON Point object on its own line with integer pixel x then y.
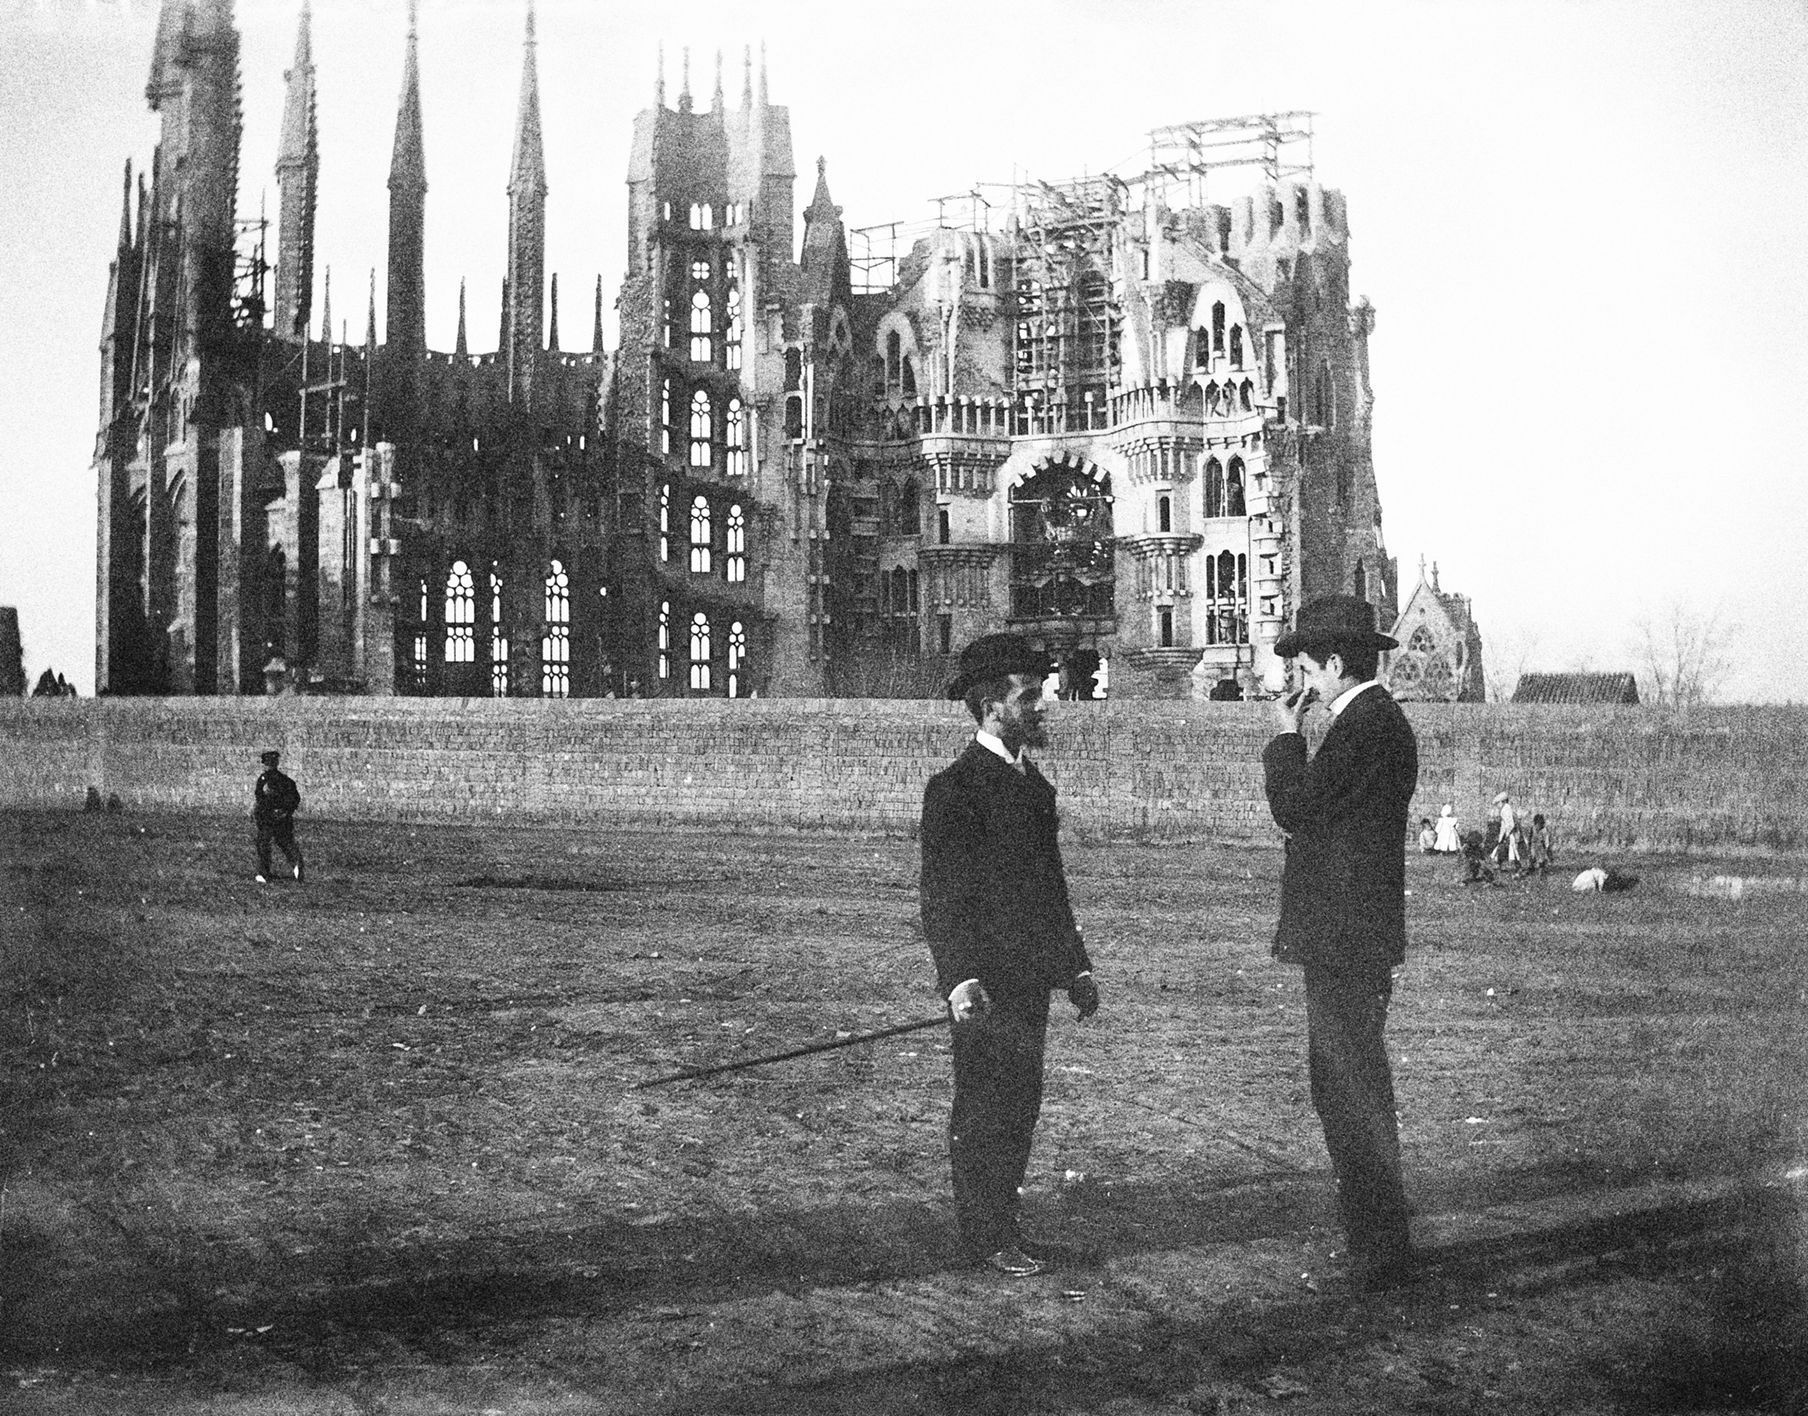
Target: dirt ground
{"type": "Point", "coordinates": [368, 1143]}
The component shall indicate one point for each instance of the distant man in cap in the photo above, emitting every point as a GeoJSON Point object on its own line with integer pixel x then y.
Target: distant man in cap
{"type": "Point", "coordinates": [1343, 909]}
{"type": "Point", "coordinates": [277, 801]}
{"type": "Point", "coordinates": [998, 921]}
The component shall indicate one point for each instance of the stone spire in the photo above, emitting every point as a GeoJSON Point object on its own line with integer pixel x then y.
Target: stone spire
{"type": "Point", "coordinates": [523, 312]}
{"type": "Point", "coordinates": [552, 317]}
{"type": "Point", "coordinates": [715, 102]}
{"type": "Point", "coordinates": [326, 307]}
{"type": "Point", "coordinates": [406, 308]}
{"type": "Point", "coordinates": [125, 212]}
{"type": "Point", "coordinates": [684, 91]}
{"type": "Point", "coordinates": [659, 81]}
{"type": "Point", "coordinates": [462, 347]}
{"type": "Point", "coordinates": [747, 77]}
{"type": "Point", "coordinates": [298, 182]}
{"type": "Point", "coordinates": [596, 337]}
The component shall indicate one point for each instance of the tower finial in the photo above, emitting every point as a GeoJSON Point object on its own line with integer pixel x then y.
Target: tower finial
{"type": "Point", "coordinates": [684, 90]}
{"type": "Point", "coordinates": [659, 79]}
{"type": "Point", "coordinates": [414, 16]}
{"type": "Point", "coordinates": [326, 308]}
{"type": "Point", "coordinates": [552, 328]}
{"type": "Point", "coordinates": [370, 322]}
{"type": "Point", "coordinates": [763, 99]}
{"type": "Point", "coordinates": [747, 76]}
{"type": "Point", "coordinates": [530, 21]}
{"type": "Point", "coordinates": [715, 102]}
{"type": "Point", "coordinates": [596, 337]}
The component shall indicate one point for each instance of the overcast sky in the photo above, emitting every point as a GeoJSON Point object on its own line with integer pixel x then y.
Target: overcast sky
{"type": "Point", "coordinates": [1581, 225]}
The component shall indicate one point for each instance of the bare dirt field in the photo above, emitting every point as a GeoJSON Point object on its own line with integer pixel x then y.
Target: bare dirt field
{"type": "Point", "coordinates": [367, 1143]}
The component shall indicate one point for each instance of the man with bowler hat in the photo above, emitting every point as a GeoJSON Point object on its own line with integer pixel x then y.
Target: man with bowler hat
{"type": "Point", "coordinates": [1343, 908]}
{"type": "Point", "coordinates": [277, 801]}
{"type": "Point", "coordinates": [1000, 926]}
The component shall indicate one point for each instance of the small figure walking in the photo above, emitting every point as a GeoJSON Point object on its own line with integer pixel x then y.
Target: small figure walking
{"type": "Point", "coordinates": [1509, 847]}
{"type": "Point", "coordinates": [1539, 848]}
{"type": "Point", "coordinates": [1449, 839]}
{"type": "Point", "coordinates": [278, 799]}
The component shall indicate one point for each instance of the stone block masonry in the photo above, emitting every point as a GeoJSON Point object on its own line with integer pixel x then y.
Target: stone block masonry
{"type": "Point", "coordinates": [1622, 778]}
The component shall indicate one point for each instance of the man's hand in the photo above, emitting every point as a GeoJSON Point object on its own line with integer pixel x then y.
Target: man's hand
{"type": "Point", "coordinates": [1290, 709]}
{"type": "Point", "coordinates": [968, 1001]}
{"type": "Point", "coordinates": [1083, 993]}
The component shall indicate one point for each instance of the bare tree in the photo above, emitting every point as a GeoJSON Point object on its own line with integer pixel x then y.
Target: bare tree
{"type": "Point", "coordinates": [1685, 655]}
{"type": "Point", "coordinates": [1504, 660]}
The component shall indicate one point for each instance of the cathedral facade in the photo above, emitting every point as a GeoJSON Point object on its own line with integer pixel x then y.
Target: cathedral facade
{"type": "Point", "coordinates": [1111, 415]}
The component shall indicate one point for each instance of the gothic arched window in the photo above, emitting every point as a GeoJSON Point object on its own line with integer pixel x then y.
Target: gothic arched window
{"type": "Point", "coordinates": [737, 544]}
{"type": "Point", "coordinates": [731, 337]}
{"type": "Point", "coordinates": [700, 536]}
{"type": "Point", "coordinates": [737, 657]}
{"type": "Point", "coordinates": [737, 438]}
{"type": "Point", "coordinates": [665, 639]}
{"type": "Point", "coordinates": [701, 421]}
{"type": "Point", "coordinates": [555, 644]}
{"type": "Point", "coordinates": [700, 651]}
{"type": "Point", "coordinates": [461, 615]}
{"type": "Point", "coordinates": [499, 645]}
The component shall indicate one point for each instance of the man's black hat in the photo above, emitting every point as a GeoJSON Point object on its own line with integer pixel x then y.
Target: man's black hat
{"type": "Point", "coordinates": [270, 758]}
{"type": "Point", "coordinates": [994, 656]}
{"type": "Point", "coordinates": [1330, 620]}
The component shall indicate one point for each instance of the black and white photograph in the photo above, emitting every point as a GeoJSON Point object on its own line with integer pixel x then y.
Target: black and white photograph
{"type": "Point", "coordinates": [1093, 708]}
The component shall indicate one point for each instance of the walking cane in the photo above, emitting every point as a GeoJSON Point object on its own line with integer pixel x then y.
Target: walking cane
{"type": "Point", "coordinates": [692, 1072]}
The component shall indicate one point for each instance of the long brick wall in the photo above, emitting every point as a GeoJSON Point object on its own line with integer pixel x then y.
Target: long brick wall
{"type": "Point", "coordinates": [1619, 777]}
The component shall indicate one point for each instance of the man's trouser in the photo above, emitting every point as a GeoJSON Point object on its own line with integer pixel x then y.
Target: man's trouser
{"type": "Point", "coordinates": [1353, 1093]}
{"type": "Point", "coordinates": [997, 1097]}
{"type": "Point", "coordinates": [281, 832]}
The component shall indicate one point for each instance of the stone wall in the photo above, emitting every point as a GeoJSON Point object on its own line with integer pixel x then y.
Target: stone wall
{"type": "Point", "coordinates": [1624, 777]}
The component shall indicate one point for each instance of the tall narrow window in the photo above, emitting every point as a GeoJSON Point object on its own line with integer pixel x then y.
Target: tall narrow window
{"type": "Point", "coordinates": [737, 439]}
{"type": "Point", "coordinates": [499, 645]}
{"type": "Point", "coordinates": [1164, 514]}
{"type": "Point", "coordinates": [1218, 328]}
{"type": "Point", "coordinates": [665, 417]}
{"type": "Point", "coordinates": [665, 522]}
{"type": "Point", "coordinates": [1236, 346]}
{"type": "Point", "coordinates": [1233, 488]}
{"type": "Point", "coordinates": [665, 639]}
{"type": "Point", "coordinates": [731, 336]}
{"type": "Point", "coordinates": [737, 657]}
{"type": "Point", "coordinates": [702, 316]}
{"type": "Point", "coordinates": [737, 545]}
{"type": "Point", "coordinates": [700, 536]}
{"type": "Point", "coordinates": [1213, 477]}
{"type": "Point", "coordinates": [461, 616]}
{"type": "Point", "coordinates": [700, 651]}
{"type": "Point", "coordinates": [665, 323]}
{"type": "Point", "coordinates": [700, 429]}
{"type": "Point", "coordinates": [1359, 583]}
{"type": "Point", "coordinates": [555, 644]}
{"type": "Point", "coordinates": [894, 362]}
{"type": "Point", "coordinates": [420, 644]}
{"type": "Point", "coordinates": [1165, 626]}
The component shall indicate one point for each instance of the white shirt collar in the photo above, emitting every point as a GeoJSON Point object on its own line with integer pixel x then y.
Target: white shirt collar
{"type": "Point", "coordinates": [1342, 701]}
{"type": "Point", "coordinates": [991, 744]}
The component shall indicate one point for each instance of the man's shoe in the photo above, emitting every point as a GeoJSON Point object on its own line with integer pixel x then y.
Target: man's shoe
{"type": "Point", "coordinates": [1013, 1262]}
{"type": "Point", "coordinates": [1041, 1250]}
{"type": "Point", "coordinates": [297, 872]}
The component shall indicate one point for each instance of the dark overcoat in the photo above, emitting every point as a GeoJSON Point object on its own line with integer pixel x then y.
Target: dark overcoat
{"type": "Point", "coordinates": [994, 893]}
{"type": "Point", "coordinates": [1343, 887]}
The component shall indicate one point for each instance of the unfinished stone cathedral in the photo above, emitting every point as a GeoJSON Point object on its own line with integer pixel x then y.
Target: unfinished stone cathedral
{"type": "Point", "coordinates": [1126, 421]}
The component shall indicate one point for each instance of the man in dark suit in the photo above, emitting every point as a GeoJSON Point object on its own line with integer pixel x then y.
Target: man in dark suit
{"type": "Point", "coordinates": [276, 801]}
{"type": "Point", "coordinates": [1343, 906]}
{"type": "Point", "coordinates": [998, 921]}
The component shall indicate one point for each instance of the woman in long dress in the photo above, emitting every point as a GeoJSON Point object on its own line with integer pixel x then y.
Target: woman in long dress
{"type": "Point", "coordinates": [1447, 841]}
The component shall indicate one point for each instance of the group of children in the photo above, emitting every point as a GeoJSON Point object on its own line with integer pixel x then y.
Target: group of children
{"type": "Point", "coordinates": [1508, 843]}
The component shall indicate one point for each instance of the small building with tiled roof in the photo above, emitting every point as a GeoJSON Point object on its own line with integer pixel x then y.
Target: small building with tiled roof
{"type": "Point", "coordinates": [1577, 688]}
{"type": "Point", "coordinates": [1440, 655]}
